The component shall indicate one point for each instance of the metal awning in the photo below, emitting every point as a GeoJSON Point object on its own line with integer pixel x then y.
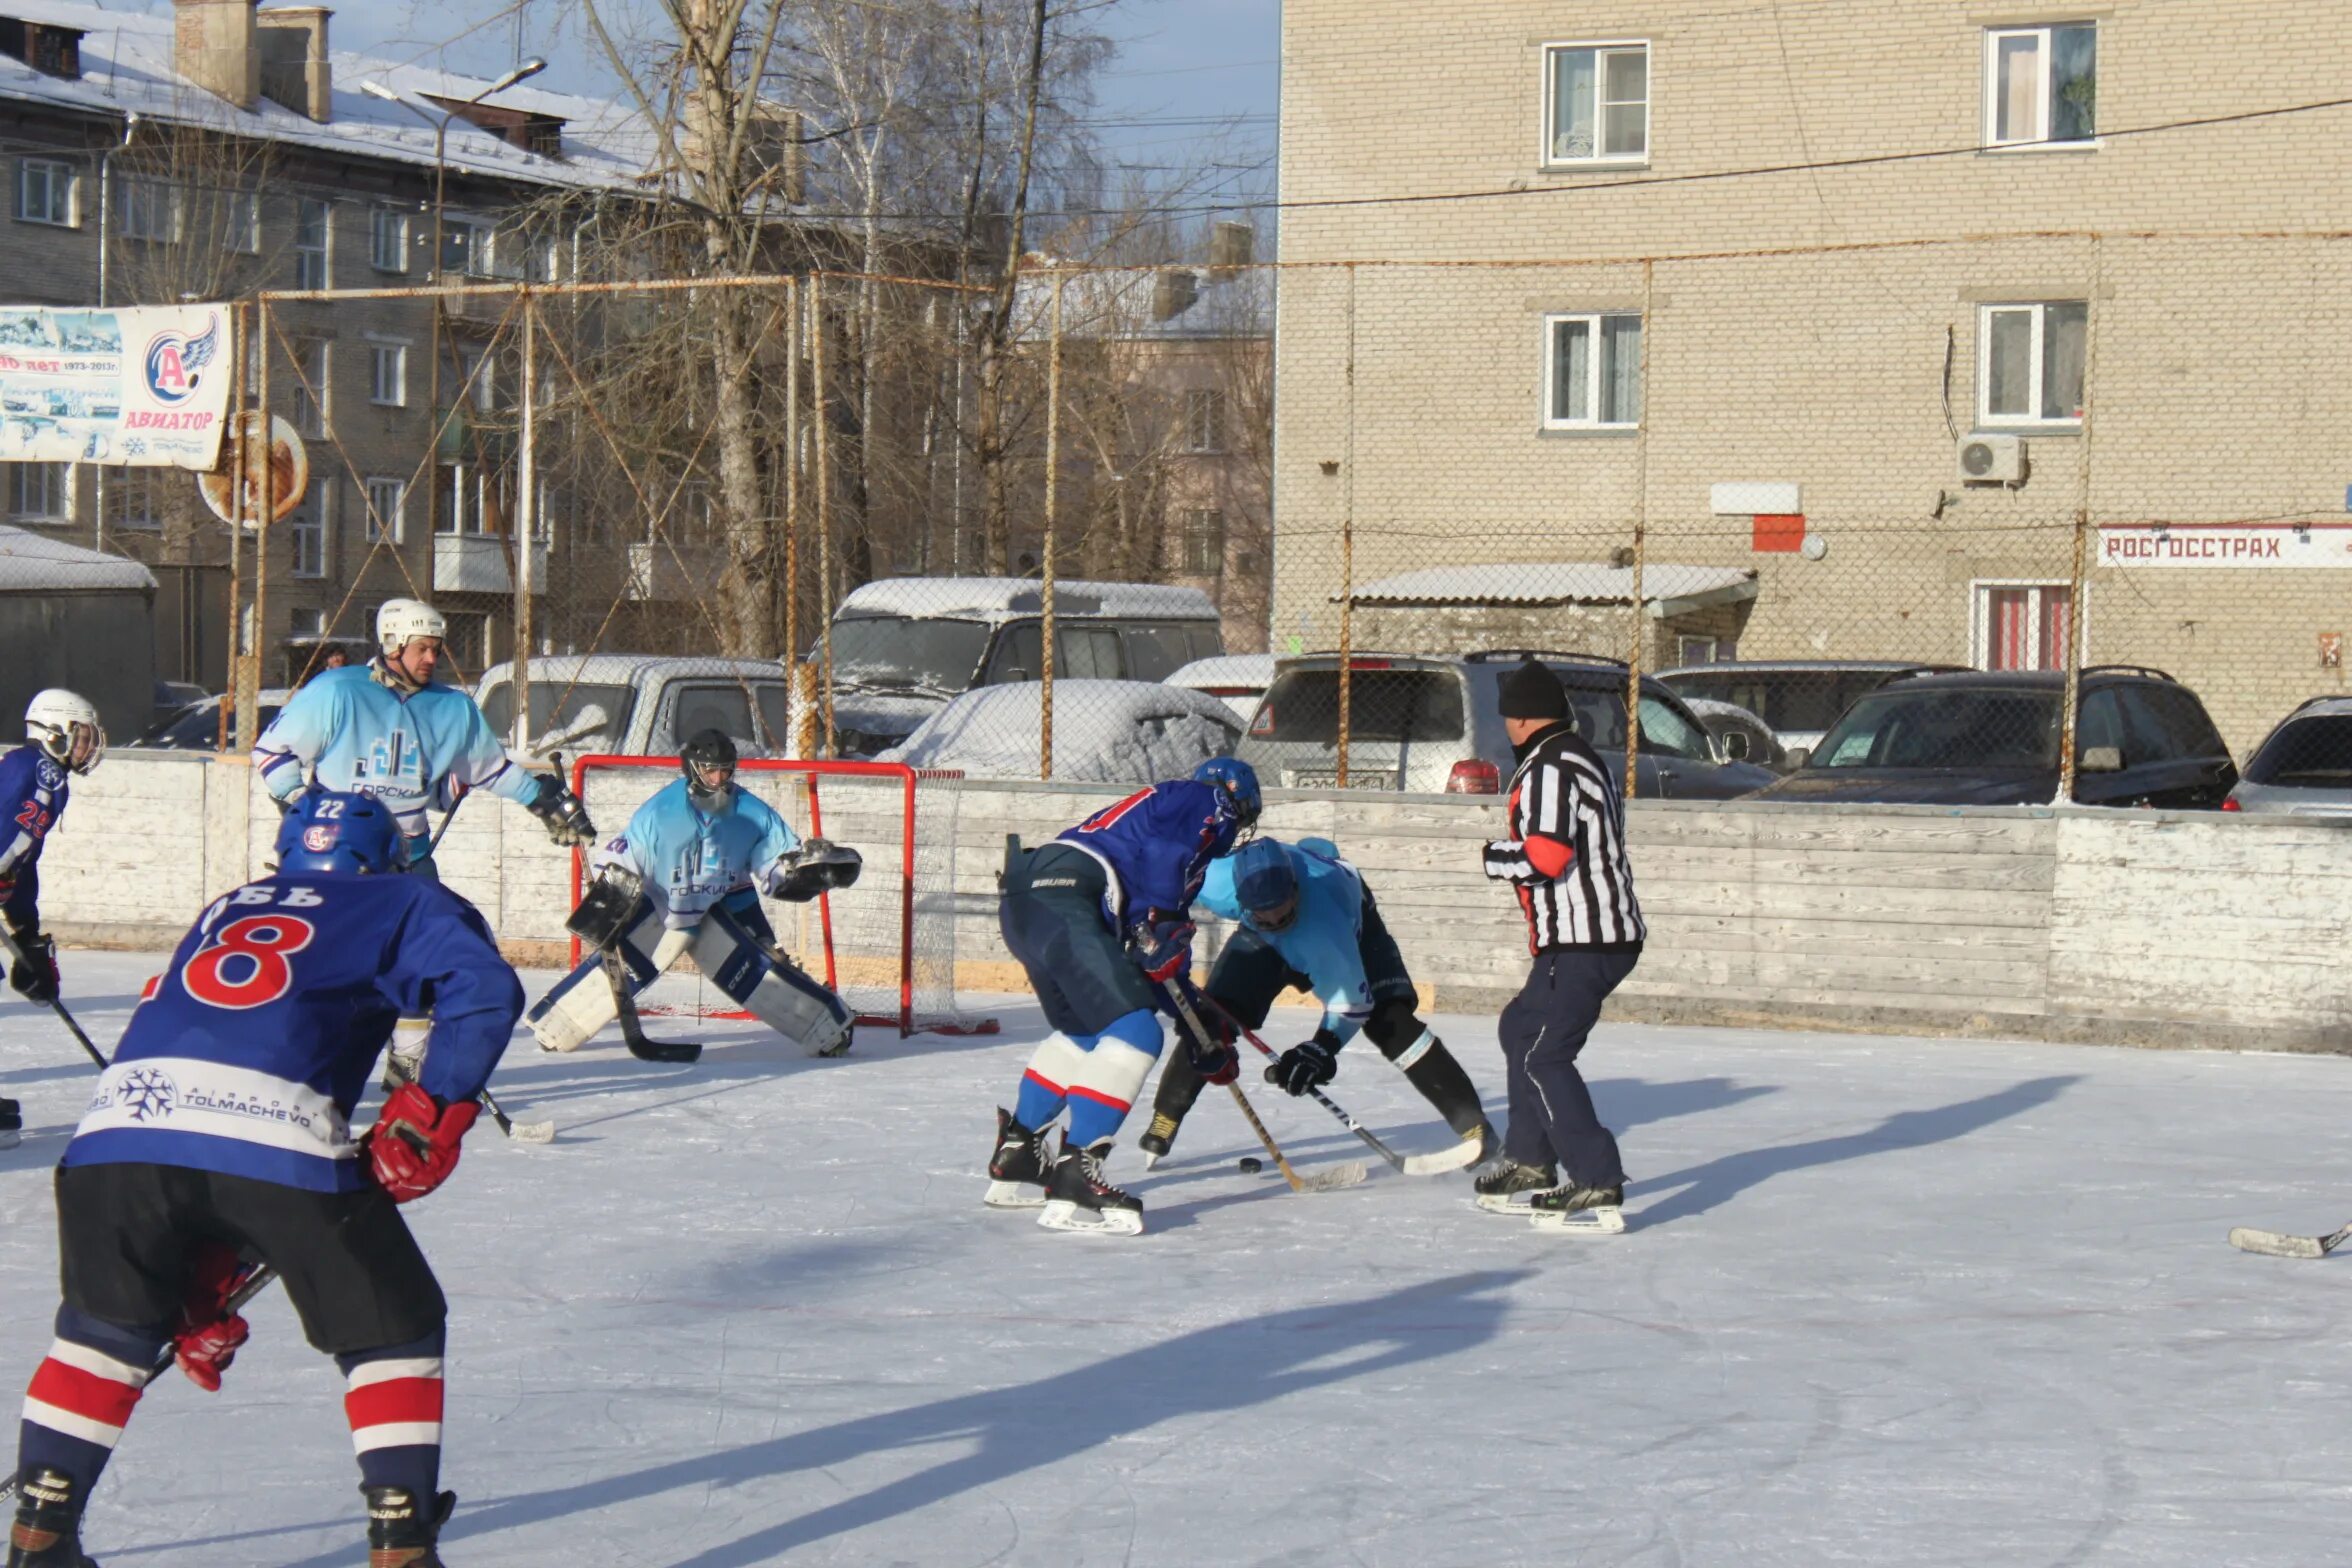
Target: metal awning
{"type": "Point", "coordinates": [1667, 589]}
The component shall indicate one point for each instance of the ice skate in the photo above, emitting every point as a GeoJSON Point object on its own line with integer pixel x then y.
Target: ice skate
{"type": "Point", "coordinates": [11, 1123]}
{"type": "Point", "coordinates": [401, 1532]}
{"type": "Point", "coordinates": [1077, 1197]}
{"type": "Point", "coordinates": [1596, 1211]}
{"type": "Point", "coordinates": [48, 1528]}
{"type": "Point", "coordinates": [1156, 1142]}
{"type": "Point", "coordinates": [1509, 1180]}
{"type": "Point", "coordinates": [1017, 1170]}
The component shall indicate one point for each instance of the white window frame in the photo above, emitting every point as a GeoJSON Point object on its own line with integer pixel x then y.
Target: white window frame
{"type": "Point", "coordinates": [1980, 616]}
{"type": "Point", "coordinates": [467, 514]}
{"type": "Point", "coordinates": [1203, 526]}
{"type": "Point", "coordinates": [483, 239]}
{"type": "Point", "coordinates": [312, 518]}
{"type": "Point", "coordinates": [121, 488]}
{"type": "Point", "coordinates": [388, 240]}
{"type": "Point", "coordinates": [322, 275]}
{"type": "Point", "coordinates": [1552, 420]}
{"type": "Point", "coordinates": [1986, 419]}
{"type": "Point", "coordinates": [55, 171]}
{"type": "Point", "coordinates": [387, 509]}
{"type": "Point", "coordinates": [57, 490]}
{"type": "Point", "coordinates": [379, 349]}
{"type": "Point", "coordinates": [129, 203]}
{"type": "Point", "coordinates": [241, 222]}
{"type": "Point", "coordinates": [1204, 406]}
{"type": "Point", "coordinates": [2044, 55]}
{"type": "Point", "coordinates": [1549, 157]}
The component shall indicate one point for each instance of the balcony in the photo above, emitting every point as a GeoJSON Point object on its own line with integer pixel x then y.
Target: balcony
{"type": "Point", "coordinates": [661, 573]}
{"type": "Point", "coordinates": [476, 563]}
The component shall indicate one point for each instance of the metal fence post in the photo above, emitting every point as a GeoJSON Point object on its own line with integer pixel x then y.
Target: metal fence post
{"type": "Point", "coordinates": [795, 345]}
{"type": "Point", "coordinates": [819, 411]}
{"type": "Point", "coordinates": [2077, 588]}
{"type": "Point", "coordinates": [1347, 551]}
{"type": "Point", "coordinates": [1641, 540]}
{"type": "Point", "coordinates": [525, 531]}
{"type": "Point", "coordinates": [1053, 465]}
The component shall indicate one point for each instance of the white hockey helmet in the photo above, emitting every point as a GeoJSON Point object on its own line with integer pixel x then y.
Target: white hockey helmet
{"type": "Point", "coordinates": [400, 622]}
{"type": "Point", "coordinates": [65, 726]}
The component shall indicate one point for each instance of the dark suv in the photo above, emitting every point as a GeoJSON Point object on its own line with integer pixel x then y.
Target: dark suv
{"type": "Point", "coordinates": [1984, 739]}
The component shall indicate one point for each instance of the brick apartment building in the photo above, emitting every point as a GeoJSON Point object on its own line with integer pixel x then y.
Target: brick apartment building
{"type": "Point", "coordinates": [1819, 295]}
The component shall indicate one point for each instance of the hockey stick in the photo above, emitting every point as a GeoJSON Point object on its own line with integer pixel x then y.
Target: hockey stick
{"type": "Point", "coordinates": [17, 953]}
{"type": "Point", "coordinates": [1347, 1175]}
{"type": "Point", "coordinates": [2278, 1244]}
{"type": "Point", "coordinates": [520, 1132]}
{"type": "Point", "coordinates": [632, 1028]}
{"type": "Point", "coordinates": [1345, 1120]}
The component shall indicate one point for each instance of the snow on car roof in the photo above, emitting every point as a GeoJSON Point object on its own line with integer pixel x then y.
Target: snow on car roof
{"type": "Point", "coordinates": [622, 669]}
{"type": "Point", "coordinates": [1105, 732]}
{"type": "Point", "coordinates": [995, 598]}
{"type": "Point", "coordinates": [1227, 669]}
{"type": "Point", "coordinates": [1559, 582]}
{"type": "Point", "coordinates": [35, 563]}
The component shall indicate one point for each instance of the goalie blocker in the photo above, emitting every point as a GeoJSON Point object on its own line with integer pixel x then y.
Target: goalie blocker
{"type": "Point", "coordinates": [732, 945]}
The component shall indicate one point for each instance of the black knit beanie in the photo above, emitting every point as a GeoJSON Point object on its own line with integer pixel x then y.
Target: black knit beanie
{"type": "Point", "coordinates": [1532, 691]}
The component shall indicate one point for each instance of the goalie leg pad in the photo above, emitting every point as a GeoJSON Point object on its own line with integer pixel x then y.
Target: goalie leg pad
{"type": "Point", "coordinates": [569, 1016]}
{"type": "Point", "coordinates": [761, 982]}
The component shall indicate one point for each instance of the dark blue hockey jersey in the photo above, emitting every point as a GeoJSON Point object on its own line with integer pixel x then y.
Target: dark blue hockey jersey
{"type": "Point", "coordinates": [32, 792]}
{"type": "Point", "coordinates": [1157, 844]}
{"type": "Point", "coordinates": [249, 1053]}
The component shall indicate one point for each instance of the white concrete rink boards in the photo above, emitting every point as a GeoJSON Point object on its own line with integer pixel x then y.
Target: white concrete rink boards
{"type": "Point", "coordinates": [1883, 1302]}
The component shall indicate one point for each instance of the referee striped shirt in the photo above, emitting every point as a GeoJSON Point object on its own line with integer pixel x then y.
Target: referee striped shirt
{"type": "Point", "coordinates": [1566, 854]}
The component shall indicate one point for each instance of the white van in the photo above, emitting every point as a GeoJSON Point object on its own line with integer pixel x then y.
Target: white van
{"type": "Point", "coordinates": [639, 704]}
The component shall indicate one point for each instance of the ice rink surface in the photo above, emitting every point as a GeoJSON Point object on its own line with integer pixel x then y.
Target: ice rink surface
{"type": "Point", "coordinates": [1882, 1302]}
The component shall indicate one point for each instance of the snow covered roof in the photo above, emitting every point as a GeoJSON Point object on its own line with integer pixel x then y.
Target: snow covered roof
{"type": "Point", "coordinates": [1002, 598]}
{"type": "Point", "coordinates": [127, 64]}
{"type": "Point", "coordinates": [625, 669]}
{"type": "Point", "coordinates": [1105, 732]}
{"type": "Point", "coordinates": [1666, 588]}
{"type": "Point", "coordinates": [35, 563]}
{"type": "Point", "coordinates": [1227, 669]}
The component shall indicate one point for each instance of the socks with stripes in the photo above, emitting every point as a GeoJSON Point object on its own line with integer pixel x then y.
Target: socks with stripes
{"type": "Point", "coordinates": [82, 1396]}
{"type": "Point", "coordinates": [394, 1406]}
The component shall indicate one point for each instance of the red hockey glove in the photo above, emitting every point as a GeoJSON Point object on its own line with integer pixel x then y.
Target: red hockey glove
{"type": "Point", "coordinates": [413, 1146]}
{"type": "Point", "coordinates": [208, 1334]}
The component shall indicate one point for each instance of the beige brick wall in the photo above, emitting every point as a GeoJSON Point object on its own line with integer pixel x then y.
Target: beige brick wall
{"type": "Point", "coordinates": [2222, 321]}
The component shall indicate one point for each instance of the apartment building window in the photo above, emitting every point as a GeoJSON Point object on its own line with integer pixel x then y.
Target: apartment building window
{"type": "Point", "coordinates": [2030, 363]}
{"type": "Point", "coordinates": [46, 192]}
{"type": "Point", "coordinates": [387, 501]}
{"type": "Point", "coordinates": [2021, 626]}
{"type": "Point", "coordinates": [1596, 103]}
{"type": "Point", "coordinates": [241, 223]}
{"type": "Point", "coordinates": [388, 374]}
{"type": "Point", "coordinates": [1204, 542]}
{"type": "Point", "coordinates": [312, 397]}
{"type": "Point", "coordinates": [2042, 85]}
{"type": "Point", "coordinates": [1204, 419]}
{"type": "Point", "coordinates": [471, 499]}
{"type": "Point", "coordinates": [1592, 372]}
{"type": "Point", "coordinates": [40, 492]}
{"type": "Point", "coordinates": [148, 210]}
{"type": "Point", "coordinates": [134, 499]}
{"type": "Point", "coordinates": [477, 376]}
{"type": "Point", "coordinates": [306, 526]}
{"type": "Point", "coordinates": [313, 237]}
{"type": "Point", "coordinates": [388, 240]}
{"type": "Point", "coordinates": [465, 246]}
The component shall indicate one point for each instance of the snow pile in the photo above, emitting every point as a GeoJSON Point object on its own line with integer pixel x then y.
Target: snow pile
{"type": "Point", "coordinates": [1105, 732]}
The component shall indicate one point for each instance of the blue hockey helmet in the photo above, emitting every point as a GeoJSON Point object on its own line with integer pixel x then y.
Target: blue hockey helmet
{"type": "Point", "coordinates": [1265, 885]}
{"type": "Point", "coordinates": [1238, 780]}
{"type": "Point", "coordinates": [326, 831]}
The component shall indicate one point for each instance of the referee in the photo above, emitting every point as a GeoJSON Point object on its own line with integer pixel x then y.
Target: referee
{"type": "Point", "coordinates": [1565, 858]}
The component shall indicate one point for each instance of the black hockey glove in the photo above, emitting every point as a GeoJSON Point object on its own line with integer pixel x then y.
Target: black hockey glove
{"type": "Point", "coordinates": [34, 975]}
{"type": "Point", "coordinates": [1306, 1067]}
{"type": "Point", "coordinates": [1215, 1060]}
{"type": "Point", "coordinates": [565, 814]}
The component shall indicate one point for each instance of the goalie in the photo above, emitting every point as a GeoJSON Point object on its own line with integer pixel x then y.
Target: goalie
{"type": "Point", "coordinates": [685, 878]}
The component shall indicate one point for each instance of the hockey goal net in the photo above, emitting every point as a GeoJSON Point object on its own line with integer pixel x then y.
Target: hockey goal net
{"type": "Point", "coordinates": [888, 944]}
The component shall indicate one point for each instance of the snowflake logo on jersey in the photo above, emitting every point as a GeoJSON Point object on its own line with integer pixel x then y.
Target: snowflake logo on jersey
{"type": "Point", "coordinates": [49, 774]}
{"type": "Point", "coordinates": [148, 1093]}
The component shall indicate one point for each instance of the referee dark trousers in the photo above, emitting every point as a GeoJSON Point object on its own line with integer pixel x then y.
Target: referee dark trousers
{"type": "Point", "coordinates": [1565, 859]}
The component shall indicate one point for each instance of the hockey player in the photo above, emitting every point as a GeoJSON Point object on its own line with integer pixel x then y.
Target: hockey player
{"type": "Point", "coordinates": [1308, 920]}
{"type": "Point", "coordinates": [1098, 920]}
{"type": "Point", "coordinates": [388, 729]}
{"type": "Point", "coordinates": [62, 736]}
{"type": "Point", "coordinates": [220, 1140]}
{"type": "Point", "coordinates": [685, 877]}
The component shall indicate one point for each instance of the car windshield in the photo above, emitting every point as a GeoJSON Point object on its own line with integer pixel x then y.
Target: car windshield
{"type": "Point", "coordinates": [197, 727]}
{"type": "Point", "coordinates": [564, 715]}
{"type": "Point", "coordinates": [1947, 727]}
{"type": "Point", "coordinates": [2307, 753]}
{"type": "Point", "coordinates": [1384, 705]}
{"type": "Point", "coordinates": [908, 653]}
{"type": "Point", "coordinates": [1799, 700]}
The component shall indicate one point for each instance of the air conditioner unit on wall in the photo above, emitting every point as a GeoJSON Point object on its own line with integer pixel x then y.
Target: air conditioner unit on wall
{"type": "Point", "coordinates": [1992, 460]}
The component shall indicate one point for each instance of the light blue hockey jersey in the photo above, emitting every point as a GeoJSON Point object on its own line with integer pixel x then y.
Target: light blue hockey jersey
{"type": "Point", "coordinates": [1322, 943]}
{"type": "Point", "coordinates": [355, 733]}
{"type": "Point", "coordinates": [691, 858]}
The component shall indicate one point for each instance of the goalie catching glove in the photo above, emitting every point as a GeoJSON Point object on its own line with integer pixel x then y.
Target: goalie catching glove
{"type": "Point", "coordinates": [565, 814]}
{"type": "Point", "coordinates": [414, 1145]}
{"type": "Point", "coordinates": [818, 867]}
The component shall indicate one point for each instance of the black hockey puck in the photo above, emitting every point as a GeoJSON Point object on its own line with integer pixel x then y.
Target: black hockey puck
{"type": "Point", "coordinates": [1251, 1163]}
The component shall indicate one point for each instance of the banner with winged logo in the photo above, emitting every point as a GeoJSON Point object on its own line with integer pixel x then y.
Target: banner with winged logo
{"type": "Point", "coordinates": [147, 387]}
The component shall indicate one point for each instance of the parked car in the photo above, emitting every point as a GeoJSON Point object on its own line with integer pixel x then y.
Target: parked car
{"type": "Point", "coordinates": [1240, 678]}
{"type": "Point", "coordinates": [197, 726]}
{"type": "Point", "coordinates": [1739, 735]}
{"type": "Point", "coordinates": [1428, 723]}
{"type": "Point", "coordinates": [1105, 732]}
{"type": "Point", "coordinates": [638, 704]}
{"type": "Point", "coordinates": [173, 696]}
{"type": "Point", "coordinates": [2302, 768]}
{"type": "Point", "coordinates": [1799, 698]}
{"type": "Point", "coordinates": [904, 646]}
{"type": "Point", "coordinates": [1991, 739]}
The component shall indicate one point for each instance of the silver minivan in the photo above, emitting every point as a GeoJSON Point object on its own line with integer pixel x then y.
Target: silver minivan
{"type": "Point", "coordinates": [1428, 724]}
{"type": "Point", "coordinates": [639, 704]}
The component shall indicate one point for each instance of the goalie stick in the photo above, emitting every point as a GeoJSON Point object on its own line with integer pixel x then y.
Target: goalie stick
{"type": "Point", "coordinates": [632, 1028]}
{"type": "Point", "coordinates": [1347, 1175]}
{"type": "Point", "coordinates": [613, 904]}
{"type": "Point", "coordinates": [2277, 1244]}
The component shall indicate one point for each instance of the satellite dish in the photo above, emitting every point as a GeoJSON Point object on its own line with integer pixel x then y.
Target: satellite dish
{"type": "Point", "coordinates": [1814, 547]}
